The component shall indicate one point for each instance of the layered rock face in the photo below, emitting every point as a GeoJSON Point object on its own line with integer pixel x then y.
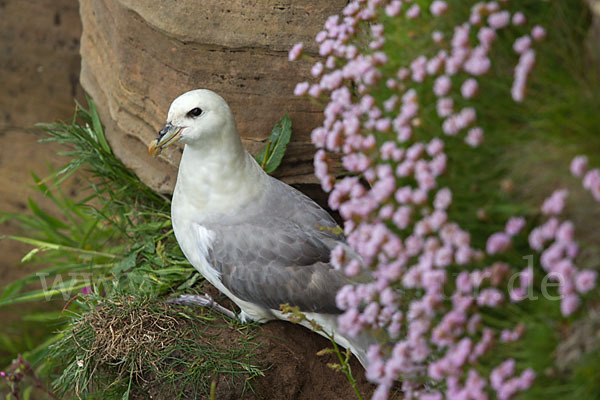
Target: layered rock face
{"type": "Point", "coordinates": [137, 56]}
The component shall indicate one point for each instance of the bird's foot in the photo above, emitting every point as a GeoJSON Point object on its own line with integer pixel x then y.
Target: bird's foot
{"type": "Point", "coordinates": [202, 301]}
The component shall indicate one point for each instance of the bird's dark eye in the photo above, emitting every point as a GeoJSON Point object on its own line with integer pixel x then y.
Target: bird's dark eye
{"type": "Point", "coordinates": [194, 112]}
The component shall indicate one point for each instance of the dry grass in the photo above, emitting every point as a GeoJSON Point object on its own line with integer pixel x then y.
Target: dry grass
{"type": "Point", "coordinates": [122, 331]}
{"type": "Point", "coordinates": [125, 347]}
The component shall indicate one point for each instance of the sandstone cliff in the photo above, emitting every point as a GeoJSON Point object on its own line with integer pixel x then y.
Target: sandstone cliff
{"type": "Point", "coordinates": [138, 56]}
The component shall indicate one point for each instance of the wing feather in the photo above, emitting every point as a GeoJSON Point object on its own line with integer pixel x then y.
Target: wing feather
{"type": "Point", "coordinates": [277, 251]}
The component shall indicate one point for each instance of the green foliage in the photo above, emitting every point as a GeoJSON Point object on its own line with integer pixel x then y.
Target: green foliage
{"type": "Point", "coordinates": [271, 155]}
{"type": "Point", "coordinates": [113, 242]}
{"type": "Point", "coordinates": [118, 236]}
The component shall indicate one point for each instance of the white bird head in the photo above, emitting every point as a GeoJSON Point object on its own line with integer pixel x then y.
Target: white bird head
{"type": "Point", "coordinates": [197, 118]}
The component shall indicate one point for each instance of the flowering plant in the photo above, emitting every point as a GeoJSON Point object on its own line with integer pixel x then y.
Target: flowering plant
{"type": "Point", "coordinates": [423, 101]}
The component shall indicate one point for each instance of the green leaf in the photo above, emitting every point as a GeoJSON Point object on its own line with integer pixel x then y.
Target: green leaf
{"type": "Point", "coordinates": [190, 281]}
{"type": "Point", "coordinates": [12, 289]}
{"type": "Point", "coordinates": [49, 316]}
{"type": "Point", "coordinates": [67, 289]}
{"type": "Point", "coordinates": [97, 125]}
{"type": "Point", "coordinates": [43, 245]}
{"type": "Point", "coordinates": [29, 256]}
{"type": "Point", "coordinates": [271, 155]}
{"type": "Point", "coordinates": [50, 220]}
{"type": "Point", "coordinates": [27, 393]}
{"type": "Point", "coordinates": [126, 264]}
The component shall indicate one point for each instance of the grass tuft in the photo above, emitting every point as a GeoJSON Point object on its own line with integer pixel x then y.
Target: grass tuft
{"type": "Point", "coordinates": [132, 347]}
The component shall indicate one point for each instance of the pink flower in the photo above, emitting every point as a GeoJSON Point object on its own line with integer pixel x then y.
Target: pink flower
{"type": "Point", "coordinates": [526, 379]}
{"type": "Point", "coordinates": [565, 232]}
{"type": "Point", "coordinates": [518, 18]}
{"type": "Point", "coordinates": [442, 85]}
{"type": "Point", "coordinates": [508, 335]}
{"type": "Point", "coordinates": [522, 44]}
{"type": "Point", "coordinates": [591, 180]}
{"type": "Point", "coordinates": [460, 37]}
{"type": "Point", "coordinates": [413, 12]}
{"type": "Point", "coordinates": [554, 204]}
{"type": "Point", "coordinates": [486, 36]}
{"type": "Point", "coordinates": [435, 147]}
{"type": "Point", "coordinates": [463, 282]}
{"type": "Point", "coordinates": [445, 106]}
{"type": "Point", "coordinates": [321, 36]}
{"type": "Point", "coordinates": [463, 255]}
{"type": "Point", "coordinates": [499, 20]}
{"type": "Point", "coordinates": [419, 196]}
{"type": "Point", "coordinates": [383, 124]}
{"type": "Point", "coordinates": [538, 33]}
{"type": "Point", "coordinates": [514, 226]}
{"type": "Point", "coordinates": [401, 217]}
{"type": "Point", "coordinates": [501, 373]}
{"type": "Point", "coordinates": [443, 257]}
{"type": "Point", "coordinates": [437, 36]}
{"type": "Point", "coordinates": [474, 137]}
{"type": "Point", "coordinates": [326, 48]}
{"type": "Point", "coordinates": [301, 89]}
{"type": "Point", "coordinates": [349, 322]}
{"type": "Point", "coordinates": [434, 65]}
{"type": "Point", "coordinates": [295, 51]}
{"type": "Point", "coordinates": [443, 199]}
{"type": "Point", "coordinates": [492, 6]}
{"type": "Point", "coordinates": [438, 7]}
{"type": "Point", "coordinates": [585, 280]}
{"type": "Point", "coordinates": [475, 19]}
{"type": "Point", "coordinates": [403, 74]}
{"type": "Point", "coordinates": [314, 91]}
{"type": "Point", "coordinates": [498, 242]}
{"type": "Point", "coordinates": [432, 396]}
{"type": "Point", "coordinates": [569, 304]}
{"type": "Point", "coordinates": [579, 165]}
{"type": "Point", "coordinates": [353, 268]}
{"type": "Point", "coordinates": [393, 8]}
{"type": "Point", "coordinates": [469, 88]}
{"type": "Point", "coordinates": [477, 65]}
{"type": "Point", "coordinates": [317, 69]}
{"type": "Point", "coordinates": [490, 297]}
{"type": "Point", "coordinates": [518, 294]}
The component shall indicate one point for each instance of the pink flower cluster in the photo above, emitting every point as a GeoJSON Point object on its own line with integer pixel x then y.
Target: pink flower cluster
{"type": "Point", "coordinates": [591, 178]}
{"type": "Point", "coordinates": [506, 384]}
{"type": "Point", "coordinates": [397, 225]}
{"type": "Point", "coordinates": [555, 239]}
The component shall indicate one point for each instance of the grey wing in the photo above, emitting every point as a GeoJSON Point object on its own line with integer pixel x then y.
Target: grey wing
{"type": "Point", "coordinates": [278, 251]}
{"type": "Point", "coordinates": [270, 266]}
{"type": "Point", "coordinates": [286, 202]}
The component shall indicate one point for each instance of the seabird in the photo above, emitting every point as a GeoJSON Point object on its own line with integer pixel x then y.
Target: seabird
{"type": "Point", "coordinates": [259, 241]}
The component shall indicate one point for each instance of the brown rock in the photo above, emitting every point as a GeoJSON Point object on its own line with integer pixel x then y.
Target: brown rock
{"type": "Point", "coordinates": [137, 57]}
{"type": "Point", "coordinates": [39, 73]}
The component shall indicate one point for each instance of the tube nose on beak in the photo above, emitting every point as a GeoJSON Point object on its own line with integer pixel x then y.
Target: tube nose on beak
{"type": "Point", "coordinates": [166, 136]}
{"type": "Point", "coordinates": [164, 130]}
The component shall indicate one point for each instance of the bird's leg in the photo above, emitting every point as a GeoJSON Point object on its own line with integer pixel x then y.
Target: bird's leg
{"type": "Point", "coordinates": [202, 301]}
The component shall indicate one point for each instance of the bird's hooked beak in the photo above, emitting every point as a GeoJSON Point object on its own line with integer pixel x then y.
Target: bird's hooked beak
{"type": "Point", "coordinates": [166, 137]}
